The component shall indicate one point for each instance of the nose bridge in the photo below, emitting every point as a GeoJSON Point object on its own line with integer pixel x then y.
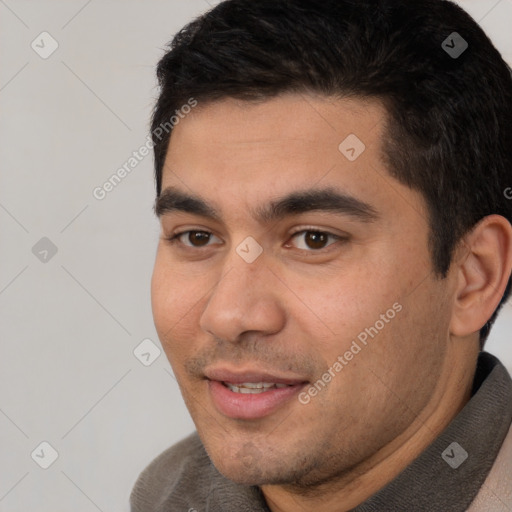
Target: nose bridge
{"type": "Point", "coordinates": [243, 299]}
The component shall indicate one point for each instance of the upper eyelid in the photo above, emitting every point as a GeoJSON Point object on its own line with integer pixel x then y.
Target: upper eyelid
{"type": "Point", "coordinates": [299, 231]}
{"type": "Point", "coordinates": [313, 230]}
{"type": "Point", "coordinates": [178, 234]}
{"type": "Point", "coordinates": [336, 237]}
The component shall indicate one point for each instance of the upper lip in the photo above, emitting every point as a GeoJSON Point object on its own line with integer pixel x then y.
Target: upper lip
{"type": "Point", "coordinates": [225, 375]}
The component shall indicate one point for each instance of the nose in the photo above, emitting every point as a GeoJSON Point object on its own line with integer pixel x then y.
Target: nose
{"type": "Point", "coordinates": [244, 300]}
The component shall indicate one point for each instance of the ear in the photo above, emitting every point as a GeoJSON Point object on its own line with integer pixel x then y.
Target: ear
{"type": "Point", "coordinates": [483, 268]}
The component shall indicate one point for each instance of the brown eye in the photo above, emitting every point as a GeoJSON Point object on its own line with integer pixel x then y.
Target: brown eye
{"type": "Point", "coordinates": [309, 240]}
{"type": "Point", "coordinates": [198, 238]}
{"type": "Point", "coordinates": [315, 239]}
{"type": "Point", "coordinates": [194, 238]}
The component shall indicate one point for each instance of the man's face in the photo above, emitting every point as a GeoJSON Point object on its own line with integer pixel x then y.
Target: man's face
{"type": "Point", "coordinates": [278, 295]}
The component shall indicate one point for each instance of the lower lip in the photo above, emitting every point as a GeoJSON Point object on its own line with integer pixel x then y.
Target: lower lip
{"type": "Point", "coordinates": [247, 406]}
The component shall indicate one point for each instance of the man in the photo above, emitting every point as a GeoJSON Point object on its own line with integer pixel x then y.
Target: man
{"type": "Point", "coordinates": [336, 243]}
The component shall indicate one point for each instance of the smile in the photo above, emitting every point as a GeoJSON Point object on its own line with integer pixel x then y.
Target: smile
{"type": "Point", "coordinates": [253, 387]}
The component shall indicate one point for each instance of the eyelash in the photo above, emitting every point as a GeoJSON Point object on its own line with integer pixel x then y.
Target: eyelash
{"type": "Point", "coordinates": [335, 238]}
{"type": "Point", "coordinates": [174, 238]}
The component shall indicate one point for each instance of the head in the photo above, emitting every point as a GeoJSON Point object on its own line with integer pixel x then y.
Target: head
{"type": "Point", "coordinates": [342, 177]}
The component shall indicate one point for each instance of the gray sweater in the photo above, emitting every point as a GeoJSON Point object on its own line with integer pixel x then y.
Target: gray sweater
{"type": "Point", "coordinates": [183, 478]}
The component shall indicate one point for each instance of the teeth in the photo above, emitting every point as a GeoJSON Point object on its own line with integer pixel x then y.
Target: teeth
{"type": "Point", "coordinates": [253, 388]}
{"type": "Point", "coordinates": [257, 385]}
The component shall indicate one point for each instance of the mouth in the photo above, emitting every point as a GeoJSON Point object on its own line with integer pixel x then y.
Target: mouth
{"type": "Point", "coordinates": [251, 395]}
{"type": "Point", "coordinates": [253, 388]}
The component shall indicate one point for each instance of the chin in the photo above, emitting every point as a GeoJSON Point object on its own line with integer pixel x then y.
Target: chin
{"type": "Point", "coordinates": [244, 476]}
{"type": "Point", "coordinates": [252, 462]}
{"type": "Point", "coordinates": [243, 466]}
{"type": "Point", "coordinates": [248, 467]}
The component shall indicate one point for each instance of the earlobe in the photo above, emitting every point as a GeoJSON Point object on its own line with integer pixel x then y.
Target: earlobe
{"type": "Point", "coordinates": [483, 269]}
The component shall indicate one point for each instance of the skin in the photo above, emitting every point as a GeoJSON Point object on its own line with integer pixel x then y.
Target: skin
{"type": "Point", "coordinates": [295, 309]}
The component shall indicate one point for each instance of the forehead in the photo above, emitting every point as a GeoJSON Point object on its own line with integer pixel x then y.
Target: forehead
{"type": "Point", "coordinates": [232, 151]}
{"type": "Point", "coordinates": [292, 123]}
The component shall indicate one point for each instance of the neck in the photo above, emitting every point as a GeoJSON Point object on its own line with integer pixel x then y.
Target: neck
{"type": "Point", "coordinates": [355, 486]}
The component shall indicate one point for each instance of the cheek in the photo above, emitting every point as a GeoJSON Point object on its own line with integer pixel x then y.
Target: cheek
{"type": "Point", "coordinates": [175, 300]}
{"type": "Point", "coordinates": [370, 314]}
{"type": "Point", "coordinates": [345, 301]}
{"type": "Point", "coordinates": [404, 358]}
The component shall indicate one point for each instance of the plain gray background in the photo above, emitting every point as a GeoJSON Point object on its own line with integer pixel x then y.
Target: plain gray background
{"type": "Point", "coordinates": [72, 320]}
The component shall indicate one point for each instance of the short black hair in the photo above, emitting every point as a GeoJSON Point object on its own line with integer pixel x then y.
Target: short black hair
{"type": "Point", "coordinates": [449, 126]}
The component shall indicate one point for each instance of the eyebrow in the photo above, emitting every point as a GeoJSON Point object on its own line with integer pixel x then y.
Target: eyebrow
{"type": "Point", "coordinates": [302, 201]}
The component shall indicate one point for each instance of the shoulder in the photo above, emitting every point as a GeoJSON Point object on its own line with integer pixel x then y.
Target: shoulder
{"type": "Point", "coordinates": [496, 493]}
{"type": "Point", "coordinates": [176, 475]}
